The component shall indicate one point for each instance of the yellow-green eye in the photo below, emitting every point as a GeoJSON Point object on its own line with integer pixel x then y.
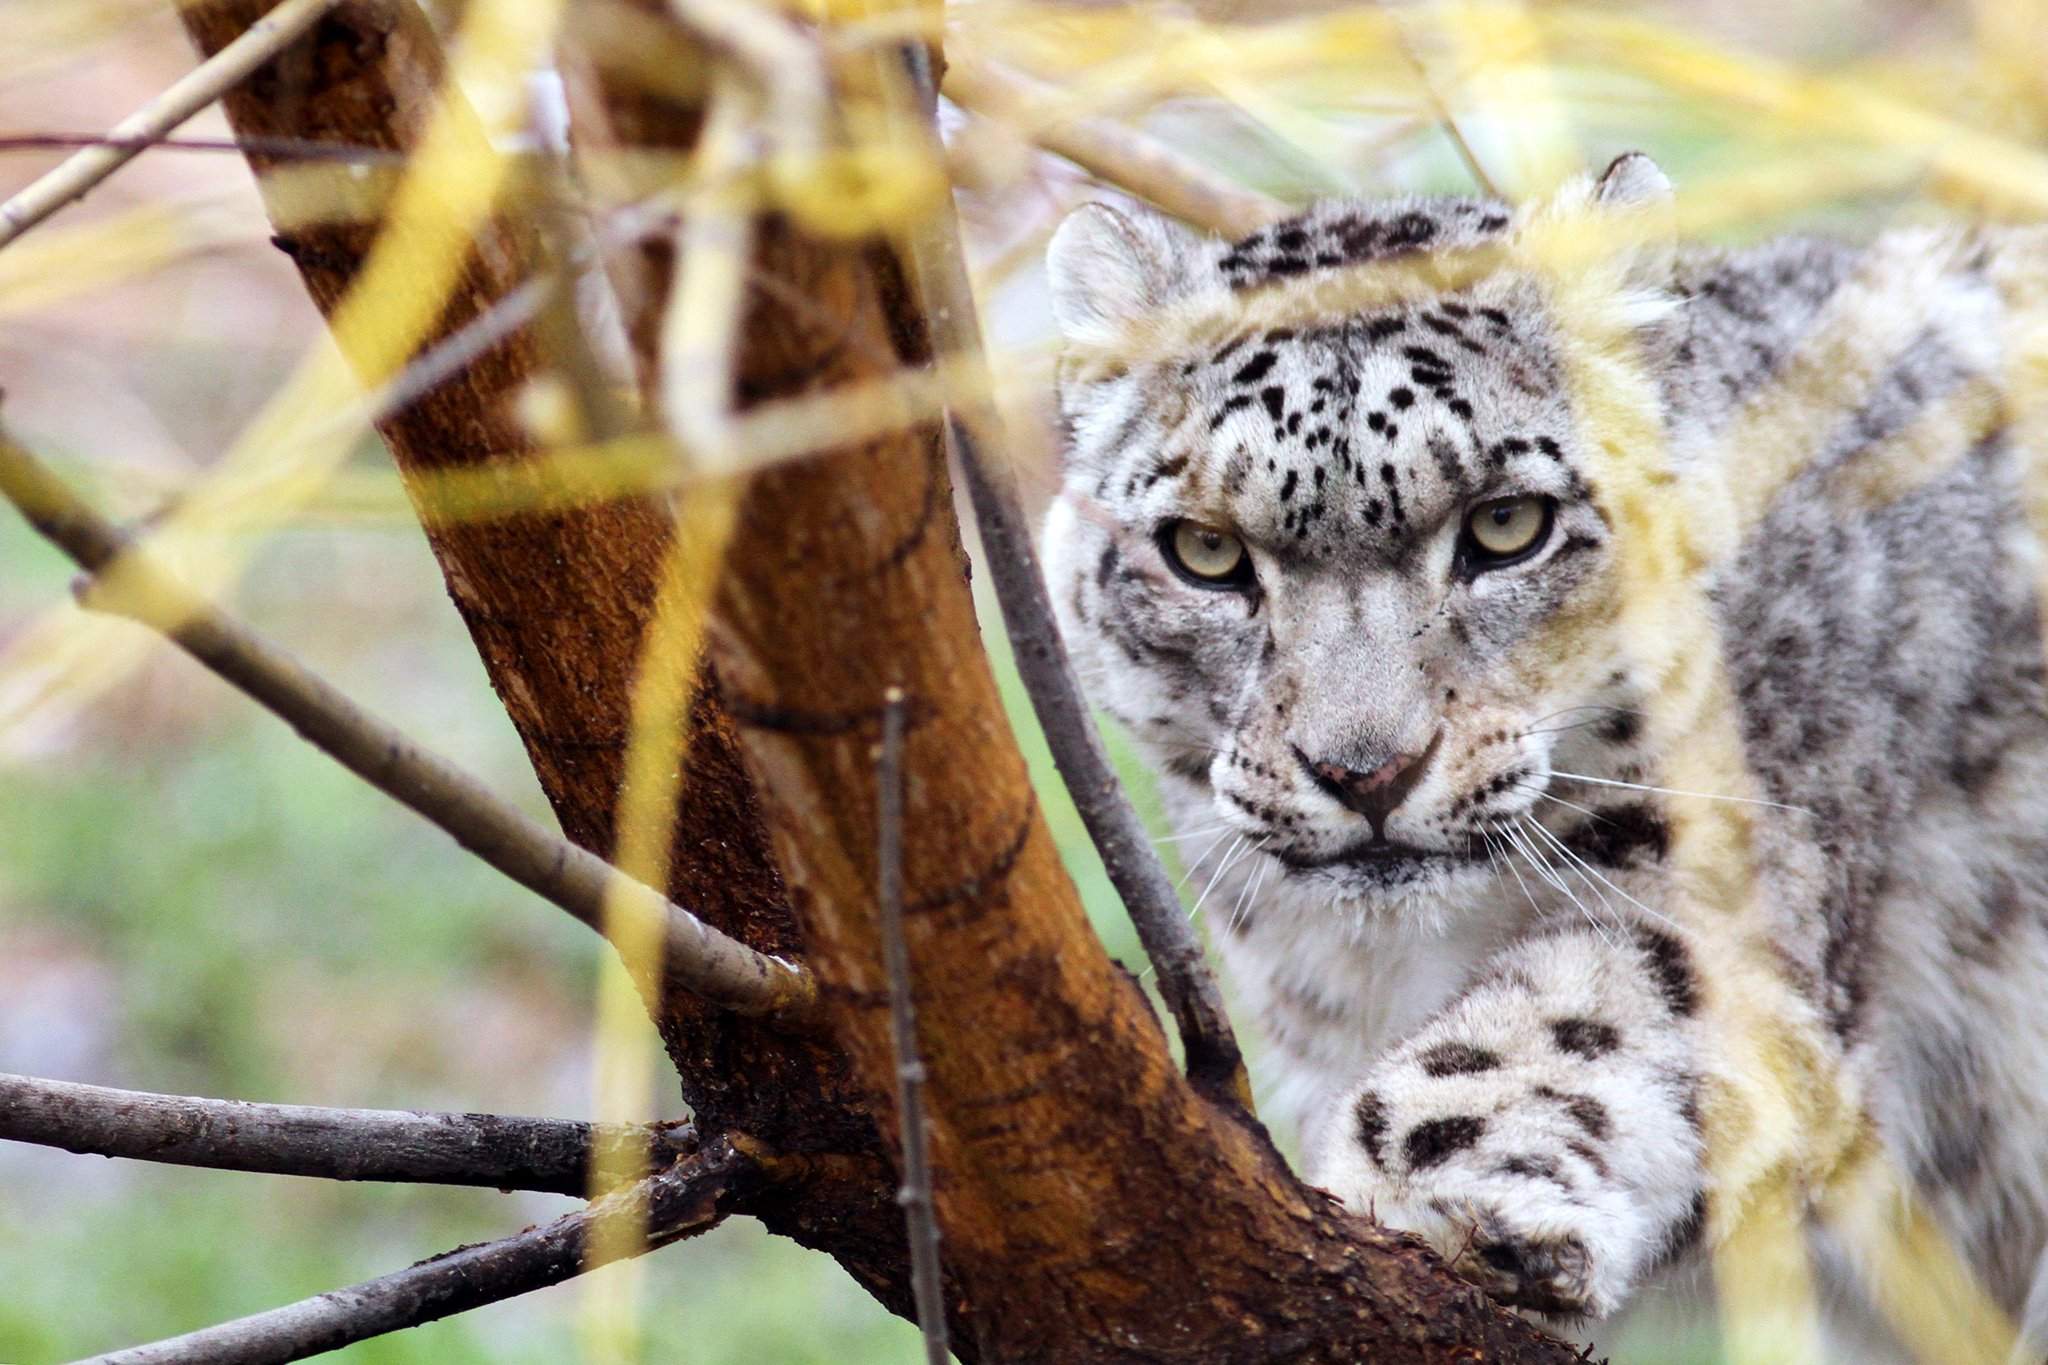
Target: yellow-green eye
{"type": "Point", "coordinates": [1208, 554]}
{"type": "Point", "coordinates": [1506, 529]}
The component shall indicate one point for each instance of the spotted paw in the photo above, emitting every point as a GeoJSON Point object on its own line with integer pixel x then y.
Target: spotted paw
{"type": "Point", "coordinates": [1549, 1199]}
{"type": "Point", "coordinates": [1549, 1273]}
{"type": "Point", "coordinates": [1542, 1265]}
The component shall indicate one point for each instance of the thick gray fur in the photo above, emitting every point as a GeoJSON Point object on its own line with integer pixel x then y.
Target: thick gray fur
{"type": "Point", "coordinates": [1506, 1044]}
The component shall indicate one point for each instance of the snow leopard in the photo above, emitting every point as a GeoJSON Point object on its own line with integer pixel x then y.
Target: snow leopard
{"type": "Point", "coordinates": [1355, 540]}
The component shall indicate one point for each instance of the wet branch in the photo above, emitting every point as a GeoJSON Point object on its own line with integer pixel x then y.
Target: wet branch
{"type": "Point", "coordinates": [494, 1151]}
{"type": "Point", "coordinates": [1185, 981]}
{"type": "Point", "coordinates": [689, 1197]}
{"type": "Point", "coordinates": [126, 580]}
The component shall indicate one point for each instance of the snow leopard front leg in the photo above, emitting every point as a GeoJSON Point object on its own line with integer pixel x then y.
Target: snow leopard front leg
{"type": "Point", "coordinates": [1543, 1130]}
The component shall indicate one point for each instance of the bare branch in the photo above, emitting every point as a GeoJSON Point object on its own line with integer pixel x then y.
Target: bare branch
{"type": "Point", "coordinates": [495, 1151]}
{"type": "Point", "coordinates": [227, 68]}
{"type": "Point", "coordinates": [687, 1198]}
{"type": "Point", "coordinates": [280, 148]}
{"type": "Point", "coordinates": [126, 579]}
{"type": "Point", "coordinates": [1112, 152]}
{"type": "Point", "coordinates": [927, 1279]}
{"type": "Point", "coordinates": [1213, 1059]}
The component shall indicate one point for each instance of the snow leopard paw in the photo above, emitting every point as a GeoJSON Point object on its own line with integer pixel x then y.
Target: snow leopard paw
{"type": "Point", "coordinates": [1539, 1194]}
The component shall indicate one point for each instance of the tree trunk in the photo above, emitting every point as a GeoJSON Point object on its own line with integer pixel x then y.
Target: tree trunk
{"type": "Point", "coordinates": [1094, 1207]}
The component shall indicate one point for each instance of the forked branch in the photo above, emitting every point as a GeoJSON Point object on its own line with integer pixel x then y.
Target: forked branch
{"type": "Point", "coordinates": [687, 1198]}
{"type": "Point", "coordinates": [494, 1151]}
{"type": "Point", "coordinates": [125, 579]}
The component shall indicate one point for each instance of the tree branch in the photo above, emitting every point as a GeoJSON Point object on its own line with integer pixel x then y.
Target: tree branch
{"type": "Point", "coordinates": [283, 148]}
{"type": "Point", "coordinates": [127, 580]}
{"type": "Point", "coordinates": [227, 68]}
{"type": "Point", "coordinates": [1119, 155]}
{"type": "Point", "coordinates": [558, 601]}
{"type": "Point", "coordinates": [1214, 1061]}
{"type": "Point", "coordinates": [927, 1278]}
{"type": "Point", "coordinates": [494, 1151]}
{"type": "Point", "coordinates": [690, 1197]}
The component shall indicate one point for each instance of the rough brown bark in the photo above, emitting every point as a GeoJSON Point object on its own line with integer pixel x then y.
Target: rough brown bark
{"type": "Point", "coordinates": [1094, 1207]}
{"type": "Point", "coordinates": [557, 604]}
{"type": "Point", "coordinates": [1079, 1173]}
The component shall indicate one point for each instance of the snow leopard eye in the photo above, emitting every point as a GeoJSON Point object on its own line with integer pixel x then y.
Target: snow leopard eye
{"type": "Point", "coordinates": [1504, 531]}
{"type": "Point", "coordinates": [1205, 555]}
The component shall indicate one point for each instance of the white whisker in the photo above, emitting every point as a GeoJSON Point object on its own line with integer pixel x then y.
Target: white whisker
{"type": "Point", "coordinates": [1556, 879]}
{"type": "Point", "coordinates": [1673, 791]}
{"type": "Point", "coordinates": [1237, 855]}
{"type": "Point", "coordinates": [1248, 897]}
{"type": "Point", "coordinates": [1204, 857]}
{"type": "Point", "coordinates": [1542, 795]}
{"type": "Point", "coordinates": [1188, 834]}
{"type": "Point", "coordinates": [1587, 869]}
{"type": "Point", "coordinates": [1510, 862]}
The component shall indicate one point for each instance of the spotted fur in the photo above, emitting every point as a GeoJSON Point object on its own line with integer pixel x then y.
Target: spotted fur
{"type": "Point", "coordinates": [1489, 1005]}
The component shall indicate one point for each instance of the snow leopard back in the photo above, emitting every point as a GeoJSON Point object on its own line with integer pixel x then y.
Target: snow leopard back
{"type": "Point", "coordinates": [1440, 861]}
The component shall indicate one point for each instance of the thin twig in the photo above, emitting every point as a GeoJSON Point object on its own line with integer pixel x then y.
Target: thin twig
{"type": "Point", "coordinates": [1188, 987]}
{"type": "Point", "coordinates": [127, 580]}
{"type": "Point", "coordinates": [1444, 117]}
{"type": "Point", "coordinates": [275, 148]}
{"type": "Point", "coordinates": [213, 78]}
{"type": "Point", "coordinates": [495, 1151]}
{"type": "Point", "coordinates": [927, 1284]}
{"type": "Point", "coordinates": [569, 240]}
{"type": "Point", "coordinates": [714, 246]}
{"type": "Point", "coordinates": [1113, 152]}
{"type": "Point", "coordinates": [689, 1197]}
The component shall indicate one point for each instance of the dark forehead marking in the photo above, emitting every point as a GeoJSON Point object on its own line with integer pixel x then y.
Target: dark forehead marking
{"type": "Point", "coordinates": [1335, 236]}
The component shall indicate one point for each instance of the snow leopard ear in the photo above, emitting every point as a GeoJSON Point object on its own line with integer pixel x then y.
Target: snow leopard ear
{"type": "Point", "coordinates": [1111, 268]}
{"type": "Point", "coordinates": [1632, 180]}
{"type": "Point", "coordinates": [1636, 186]}
{"type": "Point", "coordinates": [1615, 238]}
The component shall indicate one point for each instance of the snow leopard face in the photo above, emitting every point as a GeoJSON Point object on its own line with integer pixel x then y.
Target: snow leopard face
{"type": "Point", "coordinates": [1343, 568]}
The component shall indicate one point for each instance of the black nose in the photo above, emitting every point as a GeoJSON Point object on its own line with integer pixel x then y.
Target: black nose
{"type": "Point", "coordinates": [1374, 794]}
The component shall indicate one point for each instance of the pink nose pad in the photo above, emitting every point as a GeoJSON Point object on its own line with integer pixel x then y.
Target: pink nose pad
{"type": "Point", "coordinates": [1374, 794]}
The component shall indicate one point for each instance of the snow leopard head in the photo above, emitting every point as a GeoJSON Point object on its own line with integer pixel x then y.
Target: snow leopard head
{"type": "Point", "coordinates": [1329, 542]}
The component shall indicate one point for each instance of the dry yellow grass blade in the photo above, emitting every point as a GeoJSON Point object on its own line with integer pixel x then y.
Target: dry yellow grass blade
{"type": "Point", "coordinates": [1770, 1314]}
{"type": "Point", "coordinates": [1998, 170]}
{"type": "Point", "coordinates": [60, 264]}
{"type": "Point", "coordinates": [627, 1050]}
{"type": "Point", "coordinates": [626, 466]}
{"type": "Point", "coordinates": [1924, 1289]}
{"type": "Point", "coordinates": [699, 342]}
{"type": "Point", "coordinates": [1774, 1112]}
{"type": "Point", "coordinates": [1126, 58]}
